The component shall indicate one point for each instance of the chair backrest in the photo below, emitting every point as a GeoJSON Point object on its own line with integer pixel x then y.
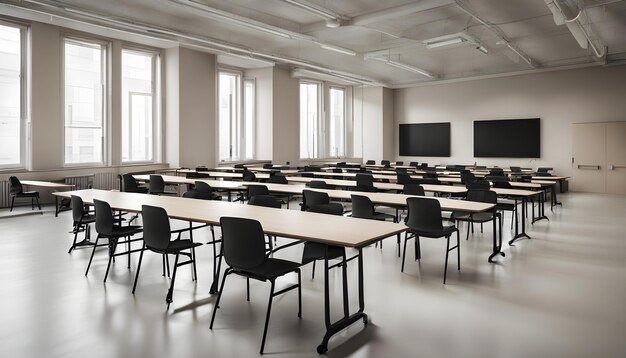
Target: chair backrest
{"type": "Point", "coordinates": [319, 184]}
{"type": "Point", "coordinates": [279, 178]}
{"type": "Point", "coordinates": [424, 214]}
{"type": "Point", "coordinates": [414, 164]}
{"type": "Point", "coordinates": [78, 208]}
{"type": "Point", "coordinates": [403, 178]}
{"type": "Point", "coordinates": [429, 181]}
{"type": "Point", "coordinates": [385, 163]}
{"type": "Point", "coordinates": [362, 207]}
{"type": "Point", "coordinates": [337, 170]}
{"type": "Point", "coordinates": [157, 184]}
{"type": "Point", "coordinates": [496, 172]}
{"type": "Point", "coordinates": [477, 185]}
{"type": "Point", "coordinates": [202, 168]}
{"type": "Point", "coordinates": [543, 174]}
{"type": "Point", "coordinates": [249, 176]}
{"type": "Point", "coordinates": [331, 209]}
{"type": "Point", "coordinates": [467, 176]}
{"type": "Point", "coordinates": [239, 166]}
{"type": "Point", "coordinates": [265, 200]}
{"type": "Point", "coordinates": [399, 162]}
{"type": "Point", "coordinates": [543, 170]}
{"type": "Point", "coordinates": [104, 217]}
{"type": "Point", "coordinates": [243, 242]}
{"type": "Point", "coordinates": [257, 190]}
{"type": "Point", "coordinates": [516, 169]}
{"type": "Point", "coordinates": [424, 165]}
{"type": "Point", "coordinates": [156, 227]}
{"type": "Point", "coordinates": [268, 166]}
{"type": "Point", "coordinates": [363, 179]}
{"type": "Point", "coordinates": [482, 196]}
{"type": "Point", "coordinates": [203, 187]}
{"type": "Point", "coordinates": [310, 198]}
{"type": "Point", "coordinates": [370, 162]}
{"type": "Point", "coordinates": [499, 181]}
{"type": "Point", "coordinates": [129, 183]}
{"type": "Point", "coordinates": [413, 189]}
{"type": "Point", "coordinates": [15, 185]}
{"type": "Point", "coordinates": [401, 170]}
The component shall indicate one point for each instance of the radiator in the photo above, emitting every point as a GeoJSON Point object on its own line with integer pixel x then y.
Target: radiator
{"type": "Point", "coordinates": [4, 194]}
{"type": "Point", "coordinates": [106, 181]}
{"type": "Point", "coordinates": [80, 182]}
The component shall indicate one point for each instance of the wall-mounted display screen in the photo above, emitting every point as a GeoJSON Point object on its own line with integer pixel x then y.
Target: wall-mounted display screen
{"type": "Point", "coordinates": [510, 138]}
{"type": "Point", "coordinates": [425, 139]}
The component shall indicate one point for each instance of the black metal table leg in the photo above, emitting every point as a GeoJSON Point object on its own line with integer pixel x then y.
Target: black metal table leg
{"type": "Point", "coordinates": [497, 247]}
{"type": "Point", "coordinates": [217, 263]}
{"type": "Point", "coordinates": [347, 320]}
{"type": "Point", "coordinates": [521, 235]}
{"type": "Point", "coordinates": [541, 207]}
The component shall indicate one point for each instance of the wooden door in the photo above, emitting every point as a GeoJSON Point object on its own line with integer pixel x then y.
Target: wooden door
{"type": "Point", "coordinates": [616, 158]}
{"type": "Point", "coordinates": [589, 157]}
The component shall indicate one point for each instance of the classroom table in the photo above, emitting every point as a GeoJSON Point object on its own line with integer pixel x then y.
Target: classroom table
{"type": "Point", "coordinates": [217, 174]}
{"type": "Point", "coordinates": [300, 225]}
{"type": "Point", "coordinates": [447, 189]}
{"type": "Point", "coordinates": [49, 185]}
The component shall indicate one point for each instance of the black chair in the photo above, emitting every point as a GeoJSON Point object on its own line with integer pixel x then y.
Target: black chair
{"type": "Point", "coordinates": [82, 218]}
{"type": "Point", "coordinates": [202, 168]}
{"type": "Point", "coordinates": [425, 221]}
{"type": "Point", "coordinates": [319, 184]}
{"type": "Point", "coordinates": [130, 185]}
{"type": "Point", "coordinates": [477, 185]}
{"type": "Point", "coordinates": [414, 164]}
{"type": "Point", "coordinates": [157, 186]}
{"type": "Point", "coordinates": [498, 172]}
{"type": "Point", "coordinates": [279, 178]}
{"type": "Point", "coordinates": [370, 162]}
{"type": "Point", "coordinates": [203, 191]}
{"type": "Point", "coordinates": [314, 251]}
{"type": "Point", "coordinates": [243, 247]}
{"type": "Point", "coordinates": [467, 176]}
{"type": "Point", "coordinates": [363, 208]}
{"type": "Point", "coordinates": [516, 169]}
{"type": "Point", "coordinates": [544, 171]}
{"type": "Point", "coordinates": [386, 163]}
{"type": "Point", "coordinates": [481, 196]}
{"type": "Point", "coordinates": [268, 166]}
{"type": "Point", "coordinates": [413, 189]}
{"type": "Point", "coordinates": [365, 182]}
{"type": "Point", "coordinates": [267, 201]}
{"type": "Point", "coordinates": [17, 191]}
{"type": "Point", "coordinates": [399, 162]}
{"type": "Point", "coordinates": [319, 201]}
{"type": "Point", "coordinates": [428, 181]}
{"type": "Point", "coordinates": [157, 238]}
{"type": "Point", "coordinates": [404, 179]}
{"type": "Point", "coordinates": [107, 228]}
{"type": "Point", "coordinates": [257, 190]}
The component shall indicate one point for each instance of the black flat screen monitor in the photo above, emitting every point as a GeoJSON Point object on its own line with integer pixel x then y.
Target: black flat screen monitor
{"type": "Point", "coordinates": [425, 139]}
{"type": "Point", "coordinates": [510, 138]}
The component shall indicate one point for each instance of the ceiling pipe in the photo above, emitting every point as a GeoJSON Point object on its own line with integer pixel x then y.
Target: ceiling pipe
{"type": "Point", "coordinates": [161, 33]}
{"type": "Point", "coordinates": [573, 19]}
{"type": "Point", "coordinates": [501, 36]}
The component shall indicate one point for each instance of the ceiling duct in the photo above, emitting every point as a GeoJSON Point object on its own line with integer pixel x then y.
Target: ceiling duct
{"type": "Point", "coordinates": [572, 14]}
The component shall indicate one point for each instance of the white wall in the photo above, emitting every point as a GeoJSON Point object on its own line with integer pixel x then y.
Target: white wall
{"type": "Point", "coordinates": [264, 82]}
{"type": "Point", "coordinates": [560, 98]}
{"type": "Point", "coordinates": [286, 122]}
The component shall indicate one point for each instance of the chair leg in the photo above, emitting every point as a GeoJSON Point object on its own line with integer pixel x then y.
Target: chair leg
{"type": "Point", "coordinates": [138, 268]}
{"type": "Point", "coordinates": [112, 247]}
{"type": "Point", "coordinates": [38, 203]}
{"type": "Point", "coordinates": [399, 241]}
{"type": "Point", "coordinates": [167, 265]}
{"type": "Point", "coordinates": [468, 230]}
{"type": "Point", "coordinates": [313, 271]}
{"type": "Point", "coordinates": [128, 249]}
{"type": "Point", "coordinates": [248, 289]}
{"type": "Point", "coordinates": [12, 202]}
{"type": "Point", "coordinates": [458, 251]}
{"type": "Point", "coordinates": [219, 297]}
{"type": "Point", "coordinates": [163, 264]}
{"type": "Point", "coordinates": [418, 248]}
{"type": "Point", "coordinates": [299, 294]}
{"type": "Point", "coordinates": [170, 292]}
{"type": "Point", "coordinates": [267, 317]}
{"type": "Point", "coordinates": [76, 228]}
{"type": "Point", "coordinates": [445, 270]}
{"type": "Point", "coordinates": [92, 253]}
{"type": "Point", "coordinates": [481, 228]}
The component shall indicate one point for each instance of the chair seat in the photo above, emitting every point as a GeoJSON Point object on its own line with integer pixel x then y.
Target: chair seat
{"type": "Point", "coordinates": [316, 251]}
{"type": "Point", "coordinates": [383, 216]}
{"type": "Point", "coordinates": [505, 206]}
{"type": "Point", "coordinates": [141, 190]}
{"type": "Point", "coordinates": [177, 246]}
{"type": "Point", "coordinates": [121, 231]}
{"type": "Point", "coordinates": [271, 269]}
{"type": "Point", "coordinates": [330, 208]}
{"type": "Point", "coordinates": [476, 217]}
{"type": "Point", "coordinates": [28, 194]}
{"type": "Point", "coordinates": [88, 219]}
{"type": "Point", "coordinates": [447, 230]}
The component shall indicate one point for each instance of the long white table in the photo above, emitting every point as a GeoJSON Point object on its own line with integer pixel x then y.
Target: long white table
{"type": "Point", "coordinates": [49, 185]}
{"type": "Point", "coordinates": [300, 225]}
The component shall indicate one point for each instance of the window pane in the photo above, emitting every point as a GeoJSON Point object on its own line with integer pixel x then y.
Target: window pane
{"type": "Point", "coordinates": [84, 107]}
{"type": "Point", "coordinates": [10, 96]}
{"type": "Point", "coordinates": [309, 119]}
{"type": "Point", "coordinates": [249, 116]}
{"type": "Point", "coordinates": [137, 106]}
{"type": "Point", "coordinates": [228, 111]}
{"type": "Point", "coordinates": [337, 122]}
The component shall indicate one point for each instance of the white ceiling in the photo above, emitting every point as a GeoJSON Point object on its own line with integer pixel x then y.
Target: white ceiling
{"type": "Point", "coordinates": [370, 26]}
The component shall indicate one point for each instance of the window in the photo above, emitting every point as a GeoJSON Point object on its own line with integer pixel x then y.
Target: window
{"type": "Point", "coordinates": [337, 125]}
{"type": "Point", "coordinates": [310, 115]}
{"type": "Point", "coordinates": [139, 102]}
{"type": "Point", "coordinates": [12, 98]}
{"type": "Point", "coordinates": [85, 83]}
{"type": "Point", "coordinates": [236, 117]}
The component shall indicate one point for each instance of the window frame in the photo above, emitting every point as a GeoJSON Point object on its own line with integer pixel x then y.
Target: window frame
{"type": "Point", "coordinates": [24, 106]}
{"type": "Point", "coordinates": [156, 104]}
{"type": "Point", "coordinates": [244, 147]}
{"type": "Point", "coordinates": [345, 120]}
{"type": "Point", "coordinates": [106, 47]}
{"type": "Point", "coordinates": [321, 120]}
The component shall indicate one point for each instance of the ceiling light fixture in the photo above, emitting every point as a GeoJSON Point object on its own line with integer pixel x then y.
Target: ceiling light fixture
{"type": "Point", "coordinates": [445, 42]}
{"type": "Point", "coordinates": [402, 66]}
{"type": "Point", "coordinates": [325, 13]}
{"type": "Point", "coordinates": [339, 49]}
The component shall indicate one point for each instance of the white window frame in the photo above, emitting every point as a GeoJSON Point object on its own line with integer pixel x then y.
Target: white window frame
{"type": "Point", "coordinates": [106, 110]}
{"type": "Point", "coordinates": [240, 146]}
{"type": "Point", "coordinates": [244, 147]}
{"type": "Point", "coordinates": [156, 105]}
{"type": "Point", "coordinates": [321, 127]}
{"type": "Point", "coordinates": [345, 120]}
{"type": "Point", "coordinates": [24, 96]}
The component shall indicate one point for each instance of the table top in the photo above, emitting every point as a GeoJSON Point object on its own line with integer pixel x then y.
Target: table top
{"type": "Point", "coordinates": [46, 184]}
{"type": "Point", "coordinates": [295, 224]}
{"type": "Point", "coordinates": [221, 174]}
{"type": "Point", "coordinates": [382, 186]}
{"type": "Point", "coordinates": [173, 179]}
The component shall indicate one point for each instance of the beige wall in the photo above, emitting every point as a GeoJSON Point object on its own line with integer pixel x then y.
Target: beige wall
{"type": "Point", "coordinates": [171, 79]}
{"type": "Point", "coordinates": [559, 98]}
{"type": "Point", "coordinates": [264, 104]}
{"type": "Point", "coordinates": [286, 123]}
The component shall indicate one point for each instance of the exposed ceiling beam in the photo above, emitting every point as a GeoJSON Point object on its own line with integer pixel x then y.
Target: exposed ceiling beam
{"type": "Point", "coordinates": [498, 33]}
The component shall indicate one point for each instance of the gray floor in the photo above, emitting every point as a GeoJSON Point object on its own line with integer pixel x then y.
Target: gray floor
{"type": "Point", "coordinates": [561, 294]}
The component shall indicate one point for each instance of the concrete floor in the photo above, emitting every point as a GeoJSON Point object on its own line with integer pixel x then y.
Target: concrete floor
{"type": "Point", "coordinates": [561, 294]}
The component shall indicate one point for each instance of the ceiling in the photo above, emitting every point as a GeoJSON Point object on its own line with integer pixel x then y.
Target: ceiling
{"type": "Point", "coordinates": [518, 35]}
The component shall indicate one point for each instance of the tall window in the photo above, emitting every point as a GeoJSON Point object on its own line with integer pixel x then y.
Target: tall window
{"type": "Point", "coordinates": [85, 81]}
{"type": "Point", "coordinates": [337, 122]}
{"type": "Point", "coordinates": [310, 115]}
{"type": "Point", "coordinates": [12, 100]}
{"type": "Point", "coordinates": [138, 105]}
{"type": "Point", "coordinates": [236, 117]}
